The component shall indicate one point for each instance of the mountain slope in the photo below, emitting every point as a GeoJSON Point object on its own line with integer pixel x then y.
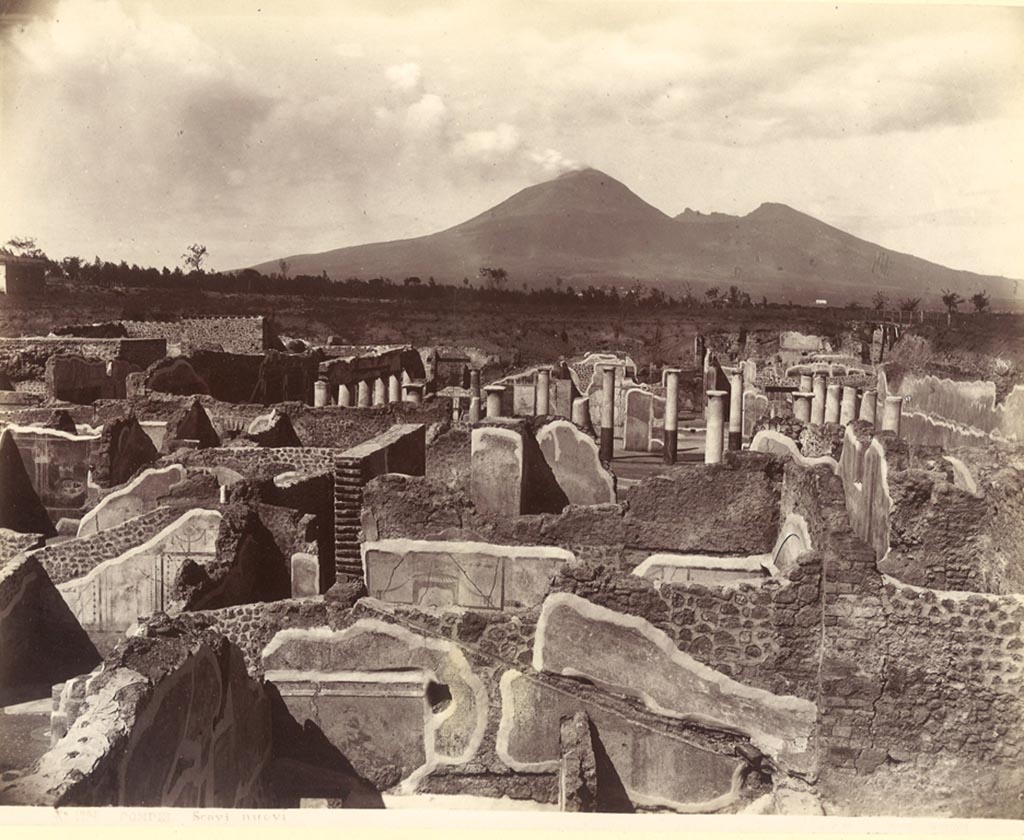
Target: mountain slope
{"type": "Point", "coordinates": [586, 227]}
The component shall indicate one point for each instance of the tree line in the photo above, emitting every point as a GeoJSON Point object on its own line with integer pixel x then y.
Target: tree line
{"type": "Point", "coordinates": [490, 283]}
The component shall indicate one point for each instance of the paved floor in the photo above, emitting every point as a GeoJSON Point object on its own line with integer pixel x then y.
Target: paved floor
{"type": "Point", "coordinates": [631, 467]}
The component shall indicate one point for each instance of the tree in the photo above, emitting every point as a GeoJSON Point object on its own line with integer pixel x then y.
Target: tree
{"type": "Point", "coordinates": [23, 246]}
{"type": "Point", "coordinates": [980, 301]}
{"type": "Point", "coordinates": [283, 266]}
{"type": "Point", "coordinates": [951, 300]}
{"type": "Point", "coordinates": [879, 301]}
{"type": "Point", "coordinates": [712, 295]}
{"type": "Point", "coordinates": [909, 304]}
{"type": "Point", "coordinates": [71, 266]}
{"type": "Point", "coordinates": [194, 256]}
{"type": "Point", "coordinates": [495, 278]}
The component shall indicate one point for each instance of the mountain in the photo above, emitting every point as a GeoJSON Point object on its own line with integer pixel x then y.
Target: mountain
{"type": "Point", "coordinates": [588, 228]}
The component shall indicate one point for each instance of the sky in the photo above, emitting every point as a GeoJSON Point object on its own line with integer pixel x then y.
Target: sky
{"type": "Point", "coordinates": [130, 130]}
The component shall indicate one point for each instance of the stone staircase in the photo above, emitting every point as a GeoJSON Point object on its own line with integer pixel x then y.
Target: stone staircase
{"type": "Point", "coordinates": [348, 503]}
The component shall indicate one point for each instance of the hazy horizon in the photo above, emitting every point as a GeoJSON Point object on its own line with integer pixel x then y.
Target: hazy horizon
{"type": "Point", "coordinates": [130, 130]}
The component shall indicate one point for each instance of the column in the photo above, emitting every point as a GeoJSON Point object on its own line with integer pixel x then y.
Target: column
{"type": "Point", "coordinates": [406, 380]}
{"type": "Point", "coordinates": [344, 395]}
{"type": "Point", "coordinates": [806, 383]}
{"type": "Point", "coordinates": [671, 448]}
{"type": "Point", "coordinates": [319, 393]}
{"type": "Point", "coordinates": [818, 401]}
{"type": "Point", "coordinates": [363, 394]}
{"type": "Point", "coordinates": [715, 423]}
{"type": "Point", "coordinates": [893, 413]}
{"type": "Point", "coordinates": [380, 391]}
{"type": "Point", "coordinates": [494, 395]}
{"type": "Point", "coordinates": [607, 412]}
{"type": "Point", "coordinates": [413, 392]}
{"type": "Point", "coordinates": [868, 404]}
{"type": "Point", "coordinates": [394, 388]}
{"type": "Point", "coordinates": [736, 411]}
{"type": "Point", "coordinates": [848, 407]}
{"type": "Point", "coordinates": [832, 396]}
{"type": "Point", "coordinates": [474, 395]}
{"type": "Point", "coordinates": [802, 406]}
{"type": "Point", "coordinates": [542, 393]}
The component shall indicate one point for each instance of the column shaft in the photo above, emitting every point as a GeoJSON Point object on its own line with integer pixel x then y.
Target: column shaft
{"type": "Point", "coordinates": [542, 396]}
{"type": "Point", "coordinates": [671, 447]}
{"type": "Point", "coordinates": [832, 403]}
{"type": "Point", "coordinates": [736, 411]}
{"type": "Point", "coordinates": [818, 402]}
{"type": "Point", "coordinates": [715, 428]}
{"type": "Point", "coordinates": [607, 413]}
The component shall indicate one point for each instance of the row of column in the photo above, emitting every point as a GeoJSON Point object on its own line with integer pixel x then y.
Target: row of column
{"type": "Point", "coordinates": [817, 403]}
{"type": "Point", "coordinates": [376, 391]}
{"type": "Point", "coordinates": [495, 394]}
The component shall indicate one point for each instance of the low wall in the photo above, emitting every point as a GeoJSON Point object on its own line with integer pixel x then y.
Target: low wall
{"type": "Point", "coordinates": [166, 722]}
{"type": "Point", "coordinates": [732, 509]}
{"type": "Point", "coordinates": [460, 574]}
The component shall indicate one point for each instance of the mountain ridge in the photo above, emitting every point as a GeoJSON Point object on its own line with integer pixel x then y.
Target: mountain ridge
{"type": "Point", "coordinates": [586, 227]}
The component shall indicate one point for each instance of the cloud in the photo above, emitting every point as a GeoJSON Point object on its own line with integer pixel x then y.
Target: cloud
{"type": "Point", "coordinates": [284, 133]}
{"type": "Point", "coordinates": [552, 162]}
{"type": "Point", "coordinates": [405, 76]}
{"type": "Point", "coordinates": [489, 145]}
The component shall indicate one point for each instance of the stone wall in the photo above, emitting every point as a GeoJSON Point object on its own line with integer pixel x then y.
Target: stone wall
{"type": "Point", "coordinates": [41, 643]}
{"type": "Point", "coordinates": [328, 427]}
{"type": "Point", "coordinates": [232, 335]}
{"type": "Point", "coordinates": [257, 460]}
{"type": "Point", "coordinates": [264, 378]}
{"type": "Point", "coordinates": [959, 411]}
{"type": "Point", "coordinates": [368, 364]}
{"type": "Point", "coordinates": [58, 467]}
{"type": "Point", "coordinates": [114, 594]}
{"type": "Point", "coordinates": [25, 358]}
{"type": "Point", "coordinates": [946, 522]}
{"type": "Point", "coordinates": [730, 509]}
{"type": "Point", "coordinates": [172, 721]}
{"type": "Point", "coordinates": [80, 380]}
{"type": "Point", "coordinates": [70, 559]}
{"type": "Point", "coordinates": [141, 495]}
{"type": "Point", "coordinates": [13, 543]}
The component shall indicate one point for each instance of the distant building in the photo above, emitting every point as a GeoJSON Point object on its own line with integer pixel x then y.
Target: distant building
{"type": "Point", "coordinates": [22, 275]}
{"type": "Point", "coordinates": [821, 302]}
